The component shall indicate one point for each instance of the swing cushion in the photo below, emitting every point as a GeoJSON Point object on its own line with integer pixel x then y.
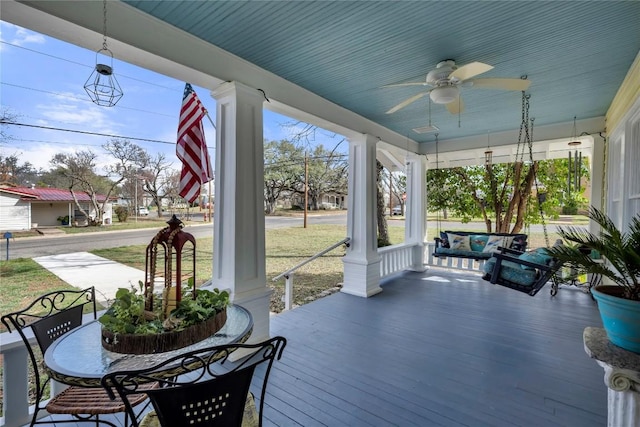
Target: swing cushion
{"type": "Point", "coordinates": [476, 246]}
{"type": "Point", "coordinates": [539, 256]}
{"type": "Point", "coordinates": [512, 272]}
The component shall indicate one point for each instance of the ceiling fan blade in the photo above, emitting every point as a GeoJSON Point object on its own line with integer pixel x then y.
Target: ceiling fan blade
{"type": "Point", "coordinates": [406, 102]}
{"type": "Point", "coordinates": [456, 106]}
{"type": "Point", "coordinates": [406, 84]}
{"type": "Point", "coordinates": [470, 70]}
{"type": "Point", "coordinates": [505, 84]}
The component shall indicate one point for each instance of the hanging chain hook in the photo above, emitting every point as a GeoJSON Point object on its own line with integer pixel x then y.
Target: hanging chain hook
{"type": "Point", "coordinates": [104, 25]}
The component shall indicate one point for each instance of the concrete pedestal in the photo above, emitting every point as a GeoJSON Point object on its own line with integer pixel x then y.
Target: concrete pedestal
{"type": "Point", "coordinates": [621, 376]}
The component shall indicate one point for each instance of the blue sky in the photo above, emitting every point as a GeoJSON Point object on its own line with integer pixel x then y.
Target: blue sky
{"type": "Point", "coordinates": [42, 83]}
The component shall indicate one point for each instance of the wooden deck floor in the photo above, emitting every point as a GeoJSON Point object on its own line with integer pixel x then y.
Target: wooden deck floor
{"type": "Point", "coordinates": [438, 349]}
{"type": "Point", "coordinates": [435, 349]}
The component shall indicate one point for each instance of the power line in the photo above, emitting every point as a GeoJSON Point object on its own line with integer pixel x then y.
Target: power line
{"type": "Point", "coordinates": [86, 66]}
{"type": "Point", "coordinates": [66, 95]}
{"type": "Point", "coordinates": [86, 132]}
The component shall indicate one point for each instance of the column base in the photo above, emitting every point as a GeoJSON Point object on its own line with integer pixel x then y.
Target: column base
{"type": "Point", "coordinates": [258, 302]}
{"type": "Point", "coordinates": [361, 279]}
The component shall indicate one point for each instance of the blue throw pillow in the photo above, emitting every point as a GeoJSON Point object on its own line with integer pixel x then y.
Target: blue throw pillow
{"type": "Point", "coordinates": [478, 242]}
{"type": "Point", "coordinates": [444, 239]}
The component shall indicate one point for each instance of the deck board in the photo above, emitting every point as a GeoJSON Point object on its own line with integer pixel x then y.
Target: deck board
{"type": "Point", "coordinates": [437, 349]}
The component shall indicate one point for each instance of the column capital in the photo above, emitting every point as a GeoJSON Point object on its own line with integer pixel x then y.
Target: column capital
{"type": "Point", "coordinates": [237, 88]}
{"type": "Point", "coordinates": [620, 379]}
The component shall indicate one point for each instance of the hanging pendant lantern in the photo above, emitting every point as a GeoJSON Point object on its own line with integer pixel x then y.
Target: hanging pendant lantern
{"type": "Point", "coordinates": [574, 141]}
{"type": "Point", "coordinates": [102, 85]}
{"type": "Point", "coordinates": [488, 154]}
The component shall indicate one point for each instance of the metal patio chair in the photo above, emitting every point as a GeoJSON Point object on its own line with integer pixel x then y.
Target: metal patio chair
{"type": "Point", "coordinates": [214, 391]}
{"type": "Point", "coordinates": [50, 316]}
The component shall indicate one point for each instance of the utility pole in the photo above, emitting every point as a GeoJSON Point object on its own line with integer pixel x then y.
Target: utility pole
{"type": "Point", "coordinates": [135, 202]}
{"type": "Point", "coordinates": [306, 187]}
{"type": "Point", "coordinates": [390, 197]}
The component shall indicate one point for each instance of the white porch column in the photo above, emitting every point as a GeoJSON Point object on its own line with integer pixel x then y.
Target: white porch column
{"type": "Point", "coordinates": [597, 179]}
{"type": "Point", "coordinates": [239, 247]}
{"type": "Point", "coordinates": [415, 226]}
{"type": "Point", "coordinates": [362, 262]}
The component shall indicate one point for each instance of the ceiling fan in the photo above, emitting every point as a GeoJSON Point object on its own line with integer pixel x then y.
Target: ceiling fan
{"type": "Point", "coordinates": [447, 79]}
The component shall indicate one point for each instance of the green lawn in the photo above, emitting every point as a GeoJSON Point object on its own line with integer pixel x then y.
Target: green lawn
{"type": "Point", "coordinates": [24, 279]}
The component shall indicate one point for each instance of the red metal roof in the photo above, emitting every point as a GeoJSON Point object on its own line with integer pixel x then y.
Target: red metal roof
{"type": "Point", "coordinates": [49, 194]}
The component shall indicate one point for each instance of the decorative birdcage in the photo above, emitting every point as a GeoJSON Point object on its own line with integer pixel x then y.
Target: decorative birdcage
{"type": "Point", "coordinates": [176, 250]}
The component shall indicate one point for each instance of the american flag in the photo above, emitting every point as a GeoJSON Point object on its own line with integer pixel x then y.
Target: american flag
{"type": "Point", "coordinates": [192, 147]}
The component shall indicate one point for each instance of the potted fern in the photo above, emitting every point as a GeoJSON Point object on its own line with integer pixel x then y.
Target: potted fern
{"type": "Point", "coordinates": [618, 302]}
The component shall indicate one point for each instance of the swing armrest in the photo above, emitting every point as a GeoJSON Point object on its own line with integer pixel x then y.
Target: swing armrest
{"type": "Point", "coordinates": [498, 265]}
{"type": "Point", "coordinates": [504, 250]}
{"type": "Point", "coordinates": [438, 241]}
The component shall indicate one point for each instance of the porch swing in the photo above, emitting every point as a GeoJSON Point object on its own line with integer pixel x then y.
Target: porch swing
{"type": "Point", "coordinates": [522, 271]}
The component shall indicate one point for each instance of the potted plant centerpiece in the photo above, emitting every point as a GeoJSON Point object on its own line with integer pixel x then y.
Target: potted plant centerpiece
{"type": "Point", "coordinates": [145, 321]}
{"type": "Point", "coordinates": [127, 327]}
{"type": "Point", "coordinates": [619, 302]}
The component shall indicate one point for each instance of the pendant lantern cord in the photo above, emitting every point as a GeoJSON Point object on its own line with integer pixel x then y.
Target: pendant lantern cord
{"type": "Point", "coordinates": [102, 86]}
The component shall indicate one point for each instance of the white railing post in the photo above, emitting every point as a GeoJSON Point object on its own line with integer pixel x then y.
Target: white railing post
{"type": "Point", "coordinates": [15, 386]}
{"type": "Point", "coordinates": [288, 292]}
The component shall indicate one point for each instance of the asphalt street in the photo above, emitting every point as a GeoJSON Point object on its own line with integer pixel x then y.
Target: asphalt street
{"type": "Point", "coordinates": [31, 247]}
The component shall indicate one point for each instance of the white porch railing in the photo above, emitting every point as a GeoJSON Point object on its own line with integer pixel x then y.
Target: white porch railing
{"type": "Point", "coordinates": [394, 258]}
{"type": "Point", "coordinates": [288, 275]}
{"type": "Point", "coordinates": [15, 374]}
{"type": "Point", "coordinates": [450, 262]}
{"type": "Point", "coordinates": [15, 365]}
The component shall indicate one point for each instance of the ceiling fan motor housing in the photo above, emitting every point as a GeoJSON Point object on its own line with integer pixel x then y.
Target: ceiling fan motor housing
{"type": "Point", "coordinates": [441, 73]}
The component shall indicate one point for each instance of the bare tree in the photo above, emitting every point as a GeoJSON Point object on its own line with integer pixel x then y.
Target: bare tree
{"type": "Point", "coordinates": [12, 172]}
{"type": "Point", "coordinates": [383, 229]}
{"type": "Point", "coordinates": [282, 169]}
{"type": "Point", "coordinates": [6, 117]}
{"type": "Point", "coordinates": [80, 169]}
{"type": "Point", "coordinates": [157, 181]}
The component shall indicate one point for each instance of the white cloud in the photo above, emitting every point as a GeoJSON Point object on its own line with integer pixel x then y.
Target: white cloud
{"type": "Point", "coordinates": [19, 36]}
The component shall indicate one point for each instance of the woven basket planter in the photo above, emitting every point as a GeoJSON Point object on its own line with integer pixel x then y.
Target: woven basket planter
{"type": "Point", "coordinates": [167, 341]}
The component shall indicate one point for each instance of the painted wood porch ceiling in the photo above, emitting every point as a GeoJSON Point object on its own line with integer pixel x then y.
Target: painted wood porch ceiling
{"type": "Point", "coordinates": [575, 53]}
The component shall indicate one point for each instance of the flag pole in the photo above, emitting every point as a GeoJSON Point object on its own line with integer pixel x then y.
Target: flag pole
{"type": "Point", "coordinates": [206, 112]}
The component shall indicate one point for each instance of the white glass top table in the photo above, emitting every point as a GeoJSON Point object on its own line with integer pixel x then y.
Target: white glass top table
{"type": "Point", "coordinates": [78, 357]}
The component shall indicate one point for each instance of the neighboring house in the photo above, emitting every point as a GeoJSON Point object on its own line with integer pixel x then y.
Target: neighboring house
{"type": "Point", "coordinates": [23, 208]}
{"type": "Point", "coordinates": [326, 201]}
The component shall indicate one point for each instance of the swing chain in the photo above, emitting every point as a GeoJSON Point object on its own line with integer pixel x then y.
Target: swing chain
{"type": "Point", "coordinates": [438, 177]}
{"type": "Point", "coordinates": [535, 181]}
{"type": "Point", "coordinates": [528, 135]}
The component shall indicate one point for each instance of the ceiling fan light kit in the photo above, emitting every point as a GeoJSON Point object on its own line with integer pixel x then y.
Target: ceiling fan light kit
{"type": "Point", "coordinates": [444, 94]}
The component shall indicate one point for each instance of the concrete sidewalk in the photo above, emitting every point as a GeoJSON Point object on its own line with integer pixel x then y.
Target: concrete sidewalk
{"type": "Point", "coordinates": [82, 269]}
